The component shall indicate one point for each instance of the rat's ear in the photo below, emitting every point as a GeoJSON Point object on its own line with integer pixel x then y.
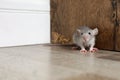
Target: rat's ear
{"type": "Point", "coordinates": [95, 31]}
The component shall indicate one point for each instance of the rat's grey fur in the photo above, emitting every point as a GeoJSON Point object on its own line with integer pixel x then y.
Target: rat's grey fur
{"type": "Point", "coordinates": [78, 38]}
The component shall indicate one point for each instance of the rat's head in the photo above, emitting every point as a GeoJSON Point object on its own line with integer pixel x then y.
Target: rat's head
{"type": "Point", "coordinates": [86, 33]}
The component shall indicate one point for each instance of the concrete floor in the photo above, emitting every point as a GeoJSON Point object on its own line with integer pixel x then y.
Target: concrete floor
{"type": "Point", "coordinates": [42, 62]}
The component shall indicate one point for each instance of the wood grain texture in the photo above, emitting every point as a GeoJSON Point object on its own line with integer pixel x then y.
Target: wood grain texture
{"type": "Point", "coordinates": [118, 39]}
{"type": "Point", "coordinates": [67, 15]}
{"type": "Point", "coordinates": [118, 27]}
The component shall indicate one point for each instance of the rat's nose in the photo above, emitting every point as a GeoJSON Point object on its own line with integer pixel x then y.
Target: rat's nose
{"type": "Point", "coordinates": [85, 38]}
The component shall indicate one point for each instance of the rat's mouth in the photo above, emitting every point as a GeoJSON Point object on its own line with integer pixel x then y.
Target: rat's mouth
{"type": "Point", "coordinates": [85, 40]}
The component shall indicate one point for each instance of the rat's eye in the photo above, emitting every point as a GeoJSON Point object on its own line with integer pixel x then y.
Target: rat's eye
{"type": "Point", "coordinates": [89, 33]}
{"type": "Point", "coordinates": [81, 33]}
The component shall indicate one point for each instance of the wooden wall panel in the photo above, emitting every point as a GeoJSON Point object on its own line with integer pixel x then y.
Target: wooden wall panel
{"type": "Point", "coordinates": [67, 15]}
{"type": "Point", "coordinates": [118, 27]}
{"type": "Point", "coordinates": [118, 39]}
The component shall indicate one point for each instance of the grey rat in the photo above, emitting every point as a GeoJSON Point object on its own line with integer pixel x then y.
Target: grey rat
{"type": "Point", "coordinates": [85, 37]}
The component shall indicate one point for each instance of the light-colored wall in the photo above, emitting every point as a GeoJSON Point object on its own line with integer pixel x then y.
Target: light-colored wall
{"type": "Point", "coordinates": [24, 22]}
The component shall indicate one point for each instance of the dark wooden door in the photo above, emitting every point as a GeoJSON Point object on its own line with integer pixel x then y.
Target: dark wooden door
{"type": "Point", "coordinates": [118, 26]}
{"type": "Point", "coordinates": [67, 15]}
{"type": "Point", "coordinates": [117, 39]}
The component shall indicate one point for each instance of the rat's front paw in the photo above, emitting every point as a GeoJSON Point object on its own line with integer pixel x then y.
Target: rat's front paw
{"type": "Point", "coordinates": [93, 50]}
{"type": "Point", "coordinates": [83, 51]}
